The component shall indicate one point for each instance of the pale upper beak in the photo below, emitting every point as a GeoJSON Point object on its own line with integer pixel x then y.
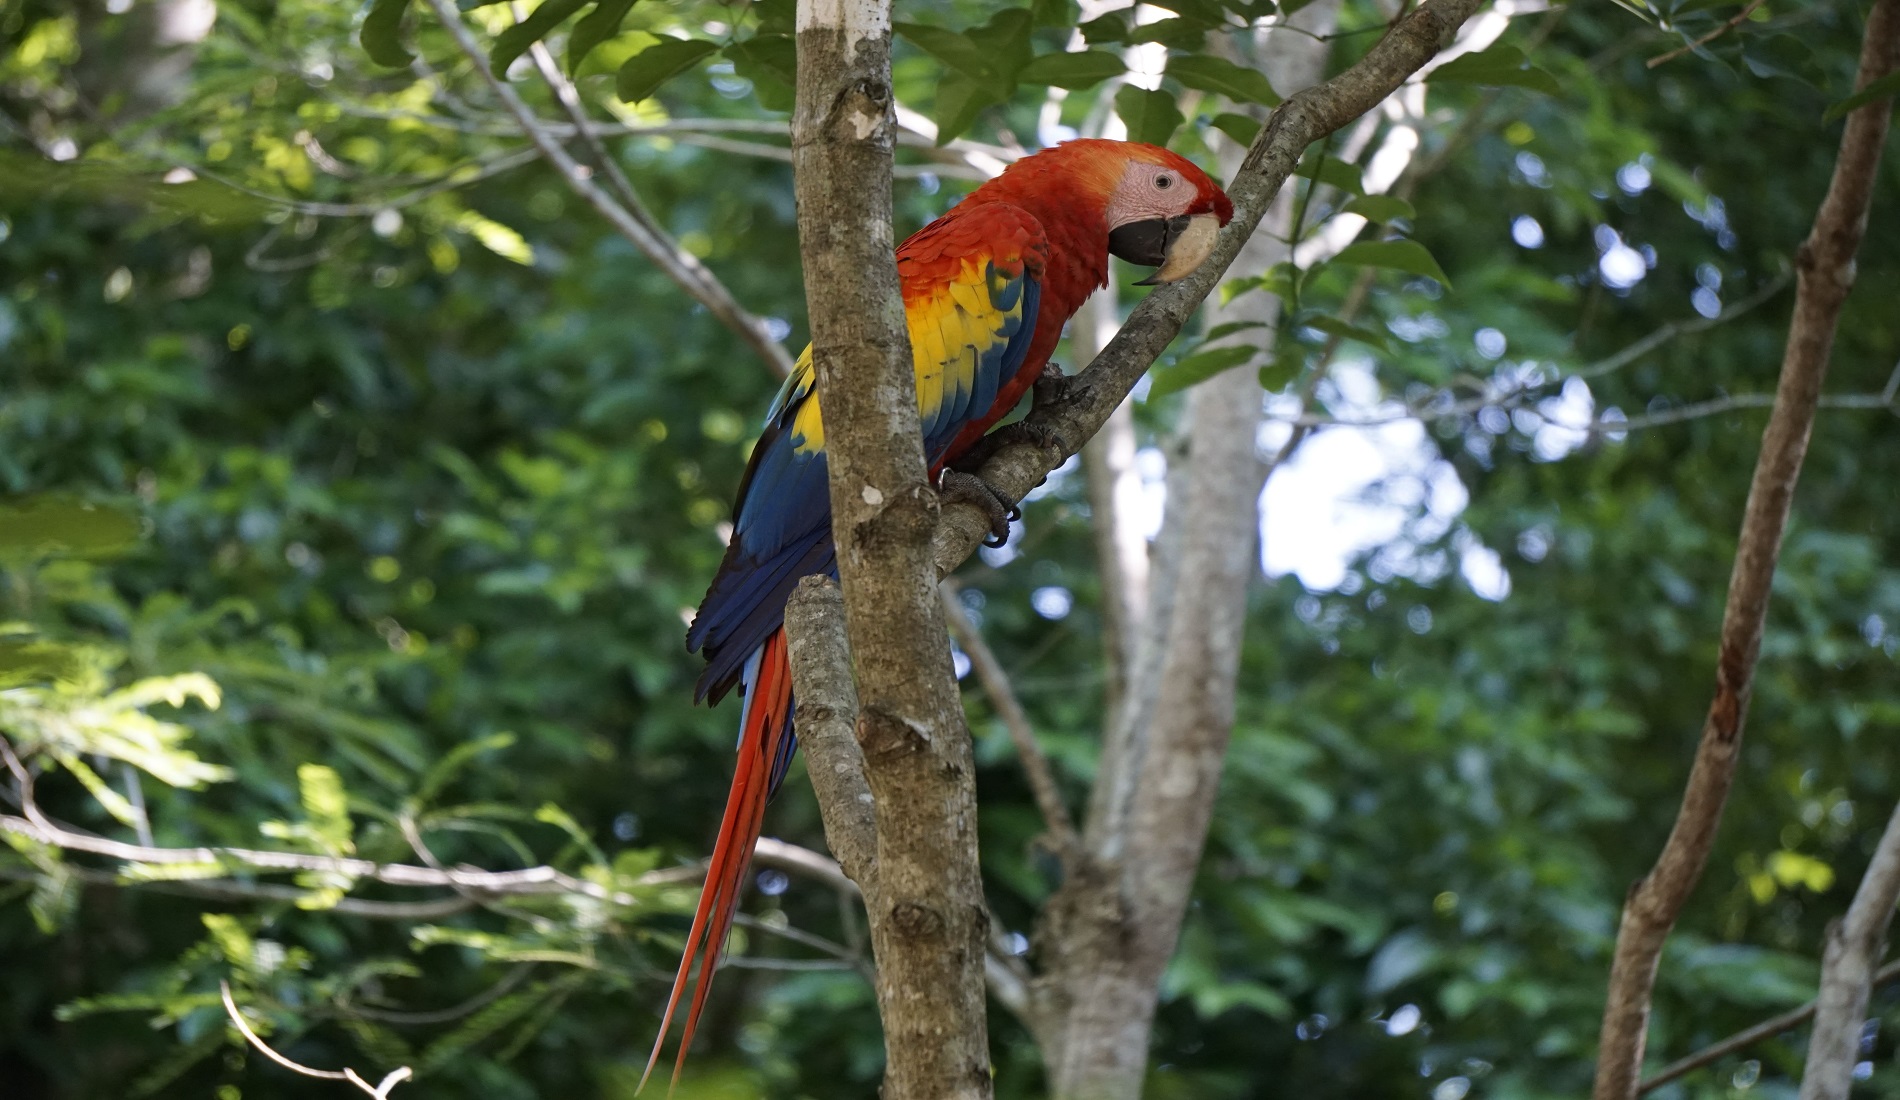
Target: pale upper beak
{"type": "Point", "coordinates": [1176, 246]}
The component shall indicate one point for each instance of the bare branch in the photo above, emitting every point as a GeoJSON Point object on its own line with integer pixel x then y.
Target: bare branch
{"type": "Point", "coordinates": [989, 670]}
{"type": "Point", "coordinates": [379, 1091]}
{"type": "Point", "coordinates": [1767, 1029]}
{"type": "Point", "coordinates": [679, 265]}
{"type": "Point", "coordinates": [1847, 973]}
{"type": "Point", "coordinates": [1826, 273]}
{"type": "Point", "coordinates": [1737, 20]}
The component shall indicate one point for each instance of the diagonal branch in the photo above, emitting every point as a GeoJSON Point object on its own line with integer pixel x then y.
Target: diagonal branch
{"type": "Point", "coordinates": [1826, 273]}
{"type": "Point", "coordinates": [640, 229]}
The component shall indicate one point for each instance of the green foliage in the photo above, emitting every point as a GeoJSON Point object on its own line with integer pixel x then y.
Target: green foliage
{"type": "Point", "coordinates": [644, 72]}
{"type": "Point", "coordinates": [322, 529]}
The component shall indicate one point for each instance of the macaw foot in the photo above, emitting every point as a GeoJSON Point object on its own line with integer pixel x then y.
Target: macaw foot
{"type": "Point", "coordinates": [1022, 431]}
{"type": "Point", "coordinates": [957, 485]}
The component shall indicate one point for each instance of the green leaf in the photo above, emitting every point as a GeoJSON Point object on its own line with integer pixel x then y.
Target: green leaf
{"type": "Point", "coordinates": [1198, 368]}
{"type": "Point", "coordinates": [382, 34]}
{"type": "Point", "coordinates": [1212, 74]}
{"type": "Point", "coordinates": [25, 662]}
{"type": "Point", "coordinates": [1232, 327]}
{"type": "Point", "coordinates": [1239, 127]}
{"type": "Point", "coordinates": [37, 526]}
{"type": "Point", "coordinates": [645, 71]}
{"type": "Point", "coordinates": [770, 62]}
{"type": "Point", "coordinates": [1410, 257]}
{"type": "Point", "coordinates": [1335, 326]}
{"type": "Point", "coordinates": [1879, 89]}
{"type": "Point", "coordinates": [959, 100]}
{"type": "Point", "coordinates": [1280, 373]}
{"type": "Point", "coordinates": [1074, 71]}
{"type": "Point", "coordinates": [1054, 13]}
{"type": "Point", "coordinates": [1499, 65]}
{"type": "Point", "coordinates": [514, 41]}
{"type": "Point", "coordinates": [1380, 208]}
{"type": "Point", "coordinates": [1331, 171]}
{"type": "Point", "coordinates": [1178, 34]}
{"type": "Point", "coordinates": [955, 50]}
{"type": "Point", "coordinates": [600, 24]}
{"type": "Point", "coordinates": [1151, 116]}
{"type": "Point", "coordinates": [1111, 29]}
{"type": "Point", "coordinates": [1005, 44]}
{"type": "Point", "coordinates": [320, 789]}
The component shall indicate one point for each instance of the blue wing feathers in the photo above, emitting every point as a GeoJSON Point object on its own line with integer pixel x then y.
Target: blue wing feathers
{"type": "Point", "coordinates": [782, 531]}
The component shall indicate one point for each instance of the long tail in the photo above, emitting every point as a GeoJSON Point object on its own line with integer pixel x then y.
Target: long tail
{"type": "Point", "coordinates": [766, 743]}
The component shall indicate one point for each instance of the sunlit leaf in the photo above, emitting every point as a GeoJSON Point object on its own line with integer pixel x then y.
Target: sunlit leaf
{"type": "Point", "coordinates": [514, 41]}
{"type": "Point", "coordinates": [38, 526]}
{"type": "Point", "coordinates": [1208, 73]}
{"type": "Point", "coordinates": [595, 27]}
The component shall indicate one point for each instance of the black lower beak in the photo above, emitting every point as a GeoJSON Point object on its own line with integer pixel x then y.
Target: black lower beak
{"type": "Point", "coordinates": [1146, 243]}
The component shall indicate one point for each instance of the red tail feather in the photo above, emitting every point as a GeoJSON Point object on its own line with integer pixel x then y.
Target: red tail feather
{"type": "Point", "coordinates": [768, 701]}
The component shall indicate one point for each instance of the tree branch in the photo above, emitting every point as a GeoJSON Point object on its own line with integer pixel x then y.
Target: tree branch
{"type": "Point", "coordinates": [989, 670]}
{"type": "Point", "coordinates": [826, 719]}
{"type": "Point", "coordinates": [679, 265]}
{"type": "Point", "coordinates": [1747, 1037]}
{"type": "Point", "coordinates": [1826, 272]}
{"type": "Point", "coordinates": [1847, 973]}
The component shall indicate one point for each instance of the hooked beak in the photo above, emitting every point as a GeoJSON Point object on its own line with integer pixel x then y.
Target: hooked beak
{"type": "Point", "coordinates": [1174, 245]}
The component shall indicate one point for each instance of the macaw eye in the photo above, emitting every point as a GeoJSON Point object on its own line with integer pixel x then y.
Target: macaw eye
{"type": "Point", "coordinates": [1164, 182]}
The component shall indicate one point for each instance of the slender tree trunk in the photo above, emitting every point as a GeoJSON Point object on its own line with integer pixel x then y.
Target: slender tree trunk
{"type": "Point", "coordinates": [927, 917]}
{"type": "Point", "coordinates": [1112, 929]}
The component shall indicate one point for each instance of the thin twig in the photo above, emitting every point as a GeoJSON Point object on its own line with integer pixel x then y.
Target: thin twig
{"type": "Point", "coordinates": [1747, 1037]}
{"type": "Point", "coordinates": [995, 680]}
{"type": "Point", "coordinates": [1437, 408]}
{"type": "Point", "coordinates": [1739, 18]}
{"type": "Point", "coordinates": [678, 264]}
{"type": "Point", "coordinates": [380, 1091]}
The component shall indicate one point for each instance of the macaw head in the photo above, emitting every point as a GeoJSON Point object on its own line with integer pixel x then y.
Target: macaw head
{"type": "Point", "coordinates": [1163, 212]}
{"type": "Point", "coordinates": [1158, 209]}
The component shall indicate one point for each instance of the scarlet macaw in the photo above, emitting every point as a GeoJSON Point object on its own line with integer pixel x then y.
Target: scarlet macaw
{"type": "Point", "coordinates": [987, 288]}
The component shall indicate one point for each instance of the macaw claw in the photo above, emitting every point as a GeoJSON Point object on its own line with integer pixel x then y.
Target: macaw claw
{"type": "Point", "coordinates": [994, 503]}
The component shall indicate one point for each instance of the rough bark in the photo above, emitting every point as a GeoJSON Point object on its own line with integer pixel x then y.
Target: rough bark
{"type": "Point", "coordinates": [1825, 273]}
{"type": "Point", "coordinates": [1113, 927]}
{"type": "Point", "coordinates": [928, 922]}
{"type": "Point", "coordinates": [1847, 973]}
{"type": "Point", "coordinates": [826, 718]}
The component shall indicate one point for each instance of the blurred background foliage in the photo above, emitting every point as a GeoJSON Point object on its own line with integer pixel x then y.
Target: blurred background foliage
{"type": "Point", "coordinates": [357, 481]}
